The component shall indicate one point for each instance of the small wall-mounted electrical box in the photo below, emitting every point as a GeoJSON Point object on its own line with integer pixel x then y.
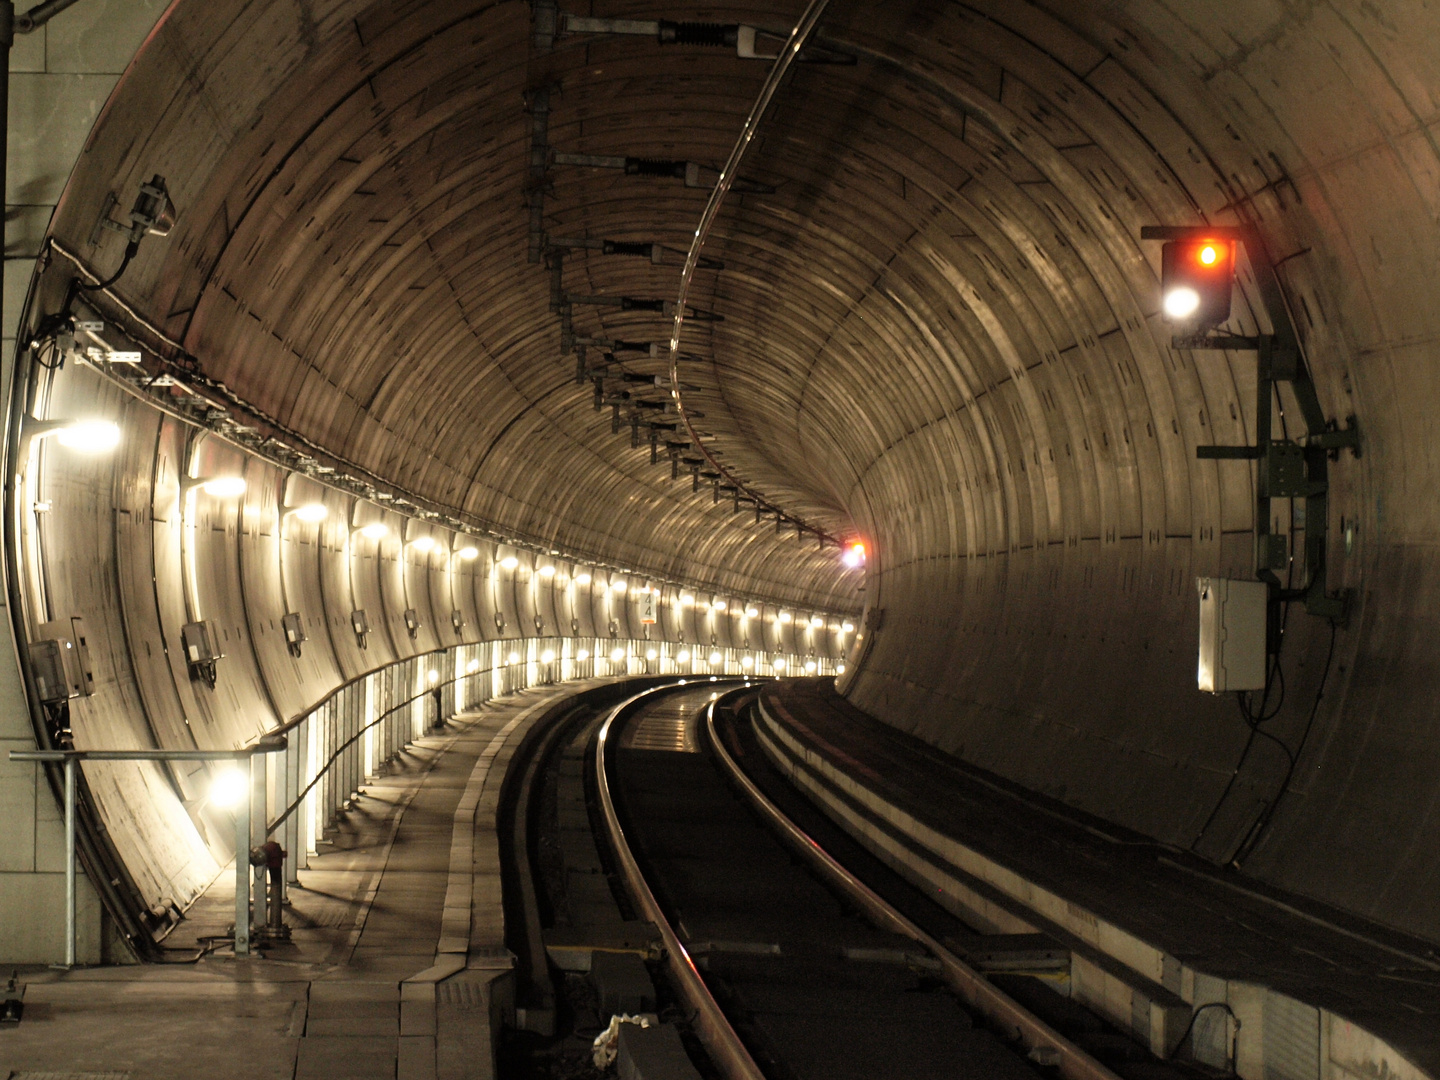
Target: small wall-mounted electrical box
{"type": "Point", "coordinates": [293, 624]}
{"type": "Point", "coordinates": [202, 650]}
{"type": "Point", "coordinates": [1233, 618]}
{"type": "Point", "coordinates": [360, 623]}
{"type": "Point", "coordinates": [457, 619]}
{"type": "Point", "coordinates": [47, 667]}
{"type": "Point", "coordinates": [412, 622]}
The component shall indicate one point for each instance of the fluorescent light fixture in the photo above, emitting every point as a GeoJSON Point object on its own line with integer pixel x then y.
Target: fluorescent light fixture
{"type": "Point", "coordinates": [423, 544]}
{"type": "Point", "coordinates": [548, 656]}
{"type": "Point", "coordinates": [810, 666]}
{"type": "Point", "coordinates": [817, 622]}
{"type": "Point", "coordinates": [312, 511]}
{"type": "Point", "coordinates": [469, 553]}
{"type": "Point", "coordinates": [779, 664]}
{"type": "Point", "coordinates": [651, 654]}
{"type": "Point", "coordinates": [687, 599]}
{"type": "Point", "coordinates": [376, 530]}
{"type": "Point", "coordinates": [229, 788]}
{"type": "Point", "coordinates": [433, 676]}
{"type": "Point", "coordinates": [617, 586]}
{"type": "Point", "coordinates": [616, 655]}
{"type": "Point", "coordinates": [509, 562]}
{"type": "Point", "coordinates": [752, 612]}
{"type": "Point", "coordinates": [582, 578]}
{"type": "Point", "coordinates": [546, 571]}
{"type": "Point", "coordinates": [747, 662]}
{"type": "Point", "coordinates": [785, 616]}
{"type": "Point", "coordinates": [715, 658]}
{"type": "Point", "coordinates": [683, 656]}
{"type": "Point", "coordinates": [513, 658]}
{"type": "Point", "coordinates": [719, 605]}
{"type": "Point", "coordinates": [1181, 303]}
{"type": "Point", "coordinates": [89, 436]}
{"type": "Point", "coordinates": [848, 627]}
{"type": "Point", "coordinates": [223, 487]}
{"type": "Point", "coordinates": [583, 654]}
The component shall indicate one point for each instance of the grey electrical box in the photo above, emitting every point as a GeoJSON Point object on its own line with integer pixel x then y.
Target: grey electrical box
{"type": "Point", "coordinates": [412, 622]}
{"type": "Point", "coordinates": [1233, 617]}
{"type": "Point", "coordinates": [47, 667]}
{"type": "Point", "coordinates": [294, 626]}
{"type": "Point", "coordinates": [199, 642]}
{"type": "Point", "coordinates": [360, 623]}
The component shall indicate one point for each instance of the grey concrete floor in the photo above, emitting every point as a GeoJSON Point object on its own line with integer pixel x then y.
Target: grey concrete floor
{"type": "Point", "coordinates": [327, 1005]}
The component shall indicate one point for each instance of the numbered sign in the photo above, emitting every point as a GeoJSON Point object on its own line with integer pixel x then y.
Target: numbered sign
{"type": "Point", "coordinates": [647, 608]}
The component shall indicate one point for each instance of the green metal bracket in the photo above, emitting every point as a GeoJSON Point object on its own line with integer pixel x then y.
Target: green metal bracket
{"type": "Point", "coordinates": [1287, 469]}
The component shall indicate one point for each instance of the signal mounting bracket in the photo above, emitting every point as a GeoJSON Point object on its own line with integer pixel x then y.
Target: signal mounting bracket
{"type": "Point", "coordinates": [1279, 359]}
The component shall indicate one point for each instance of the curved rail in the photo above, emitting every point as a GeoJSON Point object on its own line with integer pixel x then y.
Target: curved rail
{"type": "Point", "coordinates": [1072, 1062]}
{"type": "Point", "coordinates": [724, 1046]}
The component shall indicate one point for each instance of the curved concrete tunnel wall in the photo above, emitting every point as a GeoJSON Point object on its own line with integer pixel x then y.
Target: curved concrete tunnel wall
{"type": "Point", "coordinates": [125, 545]}
{"type": "Point", "coordinates": [941, 331]}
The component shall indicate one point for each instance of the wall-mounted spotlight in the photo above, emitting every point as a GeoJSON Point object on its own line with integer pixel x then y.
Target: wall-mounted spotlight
{"type": "Point", "coordinates": [510, 562]}
{"type": "Point", "coordinates": [752, 612]}
{"type": "Point", "coordinates": [229, 788]}
{"type": "Point", "coordinates": [423, 544]}
{"type": "Point", "coordinates": [548, 656]}
{"type": "Point", "coordinates": [469, 553]}
{"type": "Point", "coordinates": [217, 487]}
{"type": "Point", "coordinates": [719, 605]}
{"type": "Point", "coordinates": [747, 662]}
{"type": "Point", "coordinates": [651, 654]}
{"type": "Point", "coordinates": [810, 667]}
{"type": "Point", "coordinates": [82, 436]}
{"type": "Point", "coordinates": [847, 627]}
{"type": "Point", "coordinates": [617, 586]}
{"type": "Point", "coordinates": [854, 555]}
{"type": "Point", "coordinates": [616, 655]}
{"type": "Point", "coordinates": [432, 676]}
{"type": "Point", "coordinates": [715, 658]}
{"type": "Point", "coordinates": [311, 511]}
{"type": "Point", "coordinates": [582, 655]}
{"type": "Point", "coordinates": [513, 658]}
{"type": "Point", "coordinates": [582, 578]}
{"type": "Point", "coordinates": [376, 530]}
{"type": "Point", "coordinates": [785, 617]}
{"type": "Point", "coordinates": [817, 622]}
{"type": "Point", "coordinates": [683, 656]}
{"type": "Point", "coordinates": [840, 669]}
{"type": "Point", "coordinates": [687, 599]}
{"type": "Point", "coordinates": [546, 571]}
{"type": "Point", "coordinates": [779, 663]}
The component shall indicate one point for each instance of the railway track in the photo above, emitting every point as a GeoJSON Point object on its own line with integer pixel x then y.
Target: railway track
{"type": "Point", "coordinates": [780, 949]}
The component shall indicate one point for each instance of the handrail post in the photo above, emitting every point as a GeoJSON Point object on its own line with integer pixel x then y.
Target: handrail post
{"type": "Point", "coordinates": [70, 766]}
{"type": "Point", "coordinates": [259, 804]}
{"type": "Point", "coordinates": [242, 876]}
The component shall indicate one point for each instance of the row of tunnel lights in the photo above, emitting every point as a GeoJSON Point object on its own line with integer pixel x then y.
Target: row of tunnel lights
{"type": "Point", "coordinates": [102, 436]}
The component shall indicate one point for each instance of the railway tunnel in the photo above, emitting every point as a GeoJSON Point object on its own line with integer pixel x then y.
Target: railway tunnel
{"type": "Point", "coordinates": [369, 306]}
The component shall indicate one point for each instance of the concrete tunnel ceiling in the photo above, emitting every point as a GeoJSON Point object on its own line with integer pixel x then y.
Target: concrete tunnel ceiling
{"type": "Point", "coordinates": [940, 333]}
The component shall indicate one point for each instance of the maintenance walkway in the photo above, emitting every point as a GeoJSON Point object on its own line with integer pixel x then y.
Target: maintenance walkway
{"type": "Point", "coordinates": [397, 938]}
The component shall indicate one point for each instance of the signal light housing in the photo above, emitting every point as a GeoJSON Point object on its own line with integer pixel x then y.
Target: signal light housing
{"type": "Point", "coordinates": [1196, 280]}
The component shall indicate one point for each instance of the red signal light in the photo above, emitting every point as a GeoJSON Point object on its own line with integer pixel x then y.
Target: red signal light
{"type": "Point", "coordinates": [1196, 280]}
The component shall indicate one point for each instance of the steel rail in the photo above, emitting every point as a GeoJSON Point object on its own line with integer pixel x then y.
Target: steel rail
{"type": "Point", "coordinates": [720, 1039]}
{"type": "Point", "coordinates": [979, 992]}
{"type": "Point", "coordinates": [798, 37]}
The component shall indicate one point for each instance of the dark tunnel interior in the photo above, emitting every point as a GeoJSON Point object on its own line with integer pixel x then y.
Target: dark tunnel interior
{"type": "Point", "coordinates": [927, 322]}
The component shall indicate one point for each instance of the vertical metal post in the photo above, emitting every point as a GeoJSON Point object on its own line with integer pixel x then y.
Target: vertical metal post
{"type": "Point", "coordinates": [258, 808]}
{"type": "Point", "coordinates": [70, 767]}
{"type": "Point", "coordinates": [242, 878]}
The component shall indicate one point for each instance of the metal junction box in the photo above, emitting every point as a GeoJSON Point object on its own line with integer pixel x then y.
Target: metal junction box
{"type": "Point", "coordinates": [1232, 634]}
